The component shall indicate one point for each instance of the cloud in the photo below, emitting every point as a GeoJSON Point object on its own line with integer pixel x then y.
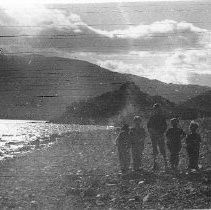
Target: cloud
{"type": "Point", "coordinates": [164, 35]}
{"type": "Point", "coordinates": [20, 25]}
{"type": "Point", "coordinates": [12, 2]}
{"type": "Point", "coordinates": [65, 31]}
{"type": "Point", "coordinates": [177, 67]}
{"type": "Point", "coordinates": [166, 50]}
{"type": "Point", "coordinates": [190, 65]}
{"type": "Point", "coordinates": [123, 67]}
{"type": "Point", "coordinates": [35, 18]}
{"type": "Point", "coordinates": [168, 27]}
{"type": "Point", "coordinates": [193, 61]}
{"type": "Point", "coordinates": [162, 73]}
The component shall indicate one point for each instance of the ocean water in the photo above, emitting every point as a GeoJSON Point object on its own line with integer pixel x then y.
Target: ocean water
{"type": "Point", "coordinates": [19, 136]}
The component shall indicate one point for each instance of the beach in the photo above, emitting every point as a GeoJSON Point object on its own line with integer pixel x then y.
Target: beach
{"type": "Point", "coordinates": [80, 171]}
{"type": "Point", "coordinates": [36, 180]}
{"type": "Point", "coordinates": [77, 74]}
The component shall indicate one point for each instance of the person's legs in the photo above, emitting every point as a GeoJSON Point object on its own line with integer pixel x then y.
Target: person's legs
{"type": "Point", "coordinates": [122, 160]}
{"type": "Point", "coordinates": [195, 160]}
{"type": "Point", "coordinates": [172, 160]}
{"type": "Point", "coordinates": [191, 161]}
{"type": "Point", "coordinates": [127, 160]}
{"type": "Point", "coordinates": [137, 157]}
{"type": "Point", "coordinates": [153, 138]}
{"type": "Point", "coordinates": [134, 158]}
{"type": "Point", "coordinates": [171, 157]}
{"type": "Point", "coordinates": [135, 162]}
{"type": "Point", "coordinates": [176, 160]}
{"type": "Point", "coordinates": [161, 144]}
{"type": "Point", "coordinates": [139, 161]}
{"type": "Point", "coordinates": [177, 152]}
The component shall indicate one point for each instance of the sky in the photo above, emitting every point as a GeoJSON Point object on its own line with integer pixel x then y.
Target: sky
{"type": "Point", "coordinates": [165, 40]}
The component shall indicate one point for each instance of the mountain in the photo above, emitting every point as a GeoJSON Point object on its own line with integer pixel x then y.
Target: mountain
{"type": "Point", "coordinates": [176, 93]}
{"type": "Point", "coordinates": [201, 102]}
{"type": "Point", "coordinates": [119, 105]}
{"type": "Point", "coordinates": [39, 87]}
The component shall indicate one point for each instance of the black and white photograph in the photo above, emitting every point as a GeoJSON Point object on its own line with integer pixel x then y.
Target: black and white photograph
{"type": "Point", "coordinates": [105, 104]}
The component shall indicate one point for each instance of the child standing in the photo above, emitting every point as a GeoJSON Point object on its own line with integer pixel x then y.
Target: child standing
{"type": "Point", "coordinates": [123, 146]}
{"type": "Point", "coordinates": [174, 136]}
{"type": "Point", "coordinates": [137, 136]}
{"type": "Point", "coordinates": [193, 141]}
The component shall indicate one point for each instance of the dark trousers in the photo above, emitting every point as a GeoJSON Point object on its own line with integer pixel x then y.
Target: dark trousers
{"type": "Point", "coordinates": [193, 159]}
{"type": "Point", "coordinates": [174, 154]}
{"type": "Point", "coordinates": [174, 160]}
{"type": "Point", "coordinates": [157, 140]}
{"type": "Point", "coordinates": [124, 160]}
{"type": "Point", "coordinates": [137, 156]}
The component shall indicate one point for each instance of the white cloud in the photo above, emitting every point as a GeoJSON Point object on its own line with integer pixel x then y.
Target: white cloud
{"type": "Point", "coordinates": [176, 68]}
{"type": "Point", "coordinates": [162, 28]}
{"type": "Point", "coordinates": [166, 35]}
{"type": "Point", "coordinates": [192, 61]}
{"type": "Point", "coordinates": [123, 67]}
{"type": "Point", "coordinates": [38, 17]}
{"type": "Point", "coordinates": [165, 50]}
{"type": "Point", "coordinates": [62, 30]}
{"type": "Point", "coordinates": [163, 73]}
{"type": "Point", "coordinates": [29, 2]}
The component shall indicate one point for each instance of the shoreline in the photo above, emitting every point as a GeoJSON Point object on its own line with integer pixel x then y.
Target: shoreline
{"type": "Point", "coordinates": [20, 137]}
{"type": "Point", "coordinates": [80, 171]}
{"type": "Point", "coordinates": [20, 176]}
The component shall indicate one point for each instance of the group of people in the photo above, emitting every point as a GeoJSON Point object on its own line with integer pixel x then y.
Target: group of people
{"type": "Point", "coordinates": [130, 141]}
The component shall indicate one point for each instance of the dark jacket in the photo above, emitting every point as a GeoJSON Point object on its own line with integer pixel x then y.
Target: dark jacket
{"type": "Point", "coordinates": [174, 137]}
{"type": "Point", "coordinates": [193, 141]}
{"type": "Point", "coordinates": [158, 123]}
{"type": "Point", "coordinates": [137, 135]}
{"type": "Point", "coordinates": [123, 141]}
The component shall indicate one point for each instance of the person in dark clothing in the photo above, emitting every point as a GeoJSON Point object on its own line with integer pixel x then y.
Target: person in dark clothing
{"type": "Point", "coordinates": [137, 136]}
{"type": "Point", "coordinates": [174, 136]}
{"type": "Point", "coordinates": [157, 126]}
{"type": "Point", "coordinates": [193, 141]}
{"type": "Point", "coordinates": [123, 146]}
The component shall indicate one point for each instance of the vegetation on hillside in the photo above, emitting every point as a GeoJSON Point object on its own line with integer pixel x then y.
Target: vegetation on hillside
{"type": "Point", "coordinates": [115, 106]}
{"type": "Point", "coordinates": [38, 87]}
{"type": "Point", "coordinates": [201, 102]}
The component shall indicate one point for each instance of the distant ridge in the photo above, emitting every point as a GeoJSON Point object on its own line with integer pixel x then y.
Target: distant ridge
{"type": "Point", "coordinates": [35, 87]}
{"type": "Point", "coordinates": [201, 102]}
{"type": "Point", "coordinates": [177, 93]}
{"type": "Point", "coordinates": [120, 105]}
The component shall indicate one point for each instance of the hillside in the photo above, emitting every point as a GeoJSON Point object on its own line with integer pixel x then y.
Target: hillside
{"type": "Point", "coordinates": [201, 102]}
{"type": "Point", "coordinates": [119, 105]}
{"type": "Point", "coordinates": [39, 87]}
{"type": "Point", "coordinates": [176, 93]}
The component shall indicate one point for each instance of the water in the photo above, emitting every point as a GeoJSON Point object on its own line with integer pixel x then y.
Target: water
{"type": "Point", "coordinates": [18, 136]}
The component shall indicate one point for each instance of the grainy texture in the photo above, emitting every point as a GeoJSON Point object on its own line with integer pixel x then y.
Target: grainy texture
{"type": "Point", "coordinates": [81, 171]}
